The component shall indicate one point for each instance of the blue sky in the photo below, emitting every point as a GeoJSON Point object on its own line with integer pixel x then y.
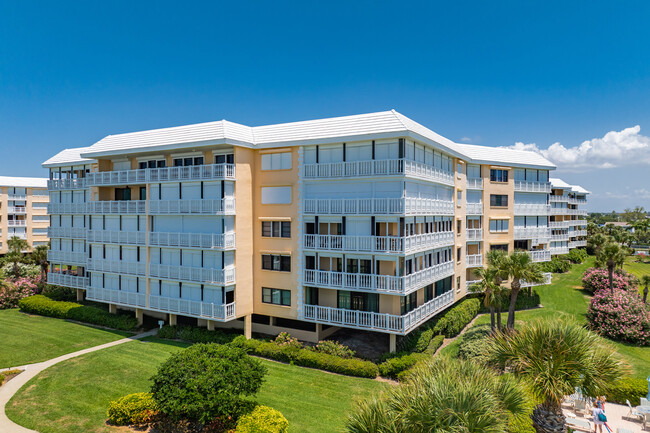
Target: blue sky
{"type": "Point", "coordinates": [491, 73]}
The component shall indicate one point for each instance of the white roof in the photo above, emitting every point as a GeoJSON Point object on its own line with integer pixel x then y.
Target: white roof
{"type": "Point", "coordinates": [24, 182]}
{"type": "Point", "coordinates": [68, 157]}
{"type": "Point", "coordinates": [384, 124]}
{"type": "Point", "coordinates": [560, 184]}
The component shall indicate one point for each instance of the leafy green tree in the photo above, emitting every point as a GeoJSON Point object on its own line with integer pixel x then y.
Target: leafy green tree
{"type": "Point", "coordinates": [39, 257]}
{"type": "Point", "coordinates": [487, 285]}
{"type": "Point", "coordinates": [495, 259]}
{"type": "Point", "coordinates": [519, 267]}
{"type": "Point", "coordinates": [611, 256]}
{"type": "Point", "coordinates": [555, 357]}
{"type": "Point", "coordinates": [443, 395]}
{"type": "Point", "coordinates": [596, 242]}
{"type": "Point", "coordinates": [16, 246]}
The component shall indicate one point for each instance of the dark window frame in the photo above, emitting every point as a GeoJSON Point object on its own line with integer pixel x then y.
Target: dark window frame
{"type": "Point", "coordinates": [284, 294]}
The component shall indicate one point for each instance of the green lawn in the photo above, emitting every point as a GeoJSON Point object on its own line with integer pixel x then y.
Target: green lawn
{"type": "Point", "coordinates": [564, 297]}
{"type": "Point", "coordinates": [73, 396]}
{"type": "Point", "coordinates": [27, 339]}
{"type": "Point", "coordinates": [638, 269]}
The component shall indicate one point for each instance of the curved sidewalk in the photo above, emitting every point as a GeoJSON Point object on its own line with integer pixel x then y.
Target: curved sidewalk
{"type": "Point", "coordinates": [10, 388]}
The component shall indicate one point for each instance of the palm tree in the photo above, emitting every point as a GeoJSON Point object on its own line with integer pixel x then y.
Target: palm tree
{"type": "Point", "coordinates": [39, 256]}
{"type": "Point", "coordinates": [597, 241]}
{"type": "Point", "coordinates": [612, 255]}
{"type": "Point", "coordinates": [495, 259]}
{"type": "Point", "coordinates": [16, 247]}
{"type": "Point", "coordinates": [490, 289]}
{"type": "Point", "coordinates": [645, 280]}
{"type": "Point", "coordinates": [443, 395]}
{"type": "Point", "coordinates": [555, 357]}
{"type": "Point", "coordinates": [519, 267]}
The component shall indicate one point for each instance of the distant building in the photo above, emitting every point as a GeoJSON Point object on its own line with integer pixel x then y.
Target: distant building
{"type": "Point", "coordinates": [23, 210]}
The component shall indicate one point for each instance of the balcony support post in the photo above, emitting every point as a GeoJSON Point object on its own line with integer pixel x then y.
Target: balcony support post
{"type": "Point", "coordinates": [80, 295]}
{"type": "Point", "coordinates": [210, 325]}
{"type": "Point", "coordinates": [139, 315]}
{"type": "Point", "coordinates": [248, 326]}
{"type": "Point", "coordinates": [392, 343]}
{"type": "Point", "coordinates": [112, 308]}
{"type": "Point", "coordinates": [172, 319]}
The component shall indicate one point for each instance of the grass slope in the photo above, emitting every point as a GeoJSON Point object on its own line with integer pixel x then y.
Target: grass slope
{"type": "Point", "coordinates": [72, 397]}
{"type": "Point", "coordinates": [28, 339]}
{"type": "Point", "coordinates": [565, 298]}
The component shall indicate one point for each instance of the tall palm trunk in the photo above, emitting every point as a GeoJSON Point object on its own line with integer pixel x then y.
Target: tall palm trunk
{"type": "Point", "coordinates": [610, 270]}
{"type": "Point", "coordinates": [516, 287]}
{"type": "Point", "coordinates": [492, 317]}
{"type": "Point", "coordinates": [548, 420]}
{"type": "Point", "coordinates": [499, 327]}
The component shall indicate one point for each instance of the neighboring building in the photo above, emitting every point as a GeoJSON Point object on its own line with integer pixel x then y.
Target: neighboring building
{"type": "Point", "coordinates": [370, 222]}
{"type": "Point", "coordinates": [23, 210]}
{"type": "Point", "coordinates": [568, 222]}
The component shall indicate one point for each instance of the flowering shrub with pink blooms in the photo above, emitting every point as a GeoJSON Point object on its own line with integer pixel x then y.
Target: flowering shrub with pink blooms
{"type": "Point", "coordinates": [596, 279]}
{"type": "Point", "coordinates": [620, 315]}
{"type": "Point", "coordinates": [17, 289]}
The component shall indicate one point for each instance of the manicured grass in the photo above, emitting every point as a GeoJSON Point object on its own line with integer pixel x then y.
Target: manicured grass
{"type": "Point", "coordinates": [27, 339]}
{"type": "Point", "coordinates": [565, 297]}
{"type": "Point", "coordinates": [638, 269]}
{"type": "Point", "coordinates": [73, 396]}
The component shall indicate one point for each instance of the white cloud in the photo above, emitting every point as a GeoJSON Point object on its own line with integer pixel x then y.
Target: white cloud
{"type": "Point", "coordinates": [614, 149]}
{"type": "Point", "coordinates": [466, 140]}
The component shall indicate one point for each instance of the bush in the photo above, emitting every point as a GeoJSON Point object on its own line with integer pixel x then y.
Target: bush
{"type": "Point", "coordinates": [285, 339]}
{"type": "Point", "coordinates": [196, 335]}
{"type": "Point", "coordinates": [39, 304]}
{"type": "Point", "coordinates": [457, 318]}
{"type": "Point", "coordinates": [620, 315]}
{"type": "Point", "coordinates": [475, 344]}
{"type": "Point", "coordinates": [557, 265]}
{"type": "Point", "coordinates": [24, 270]}
{"type": "Point", "coordinates": [133, 409]}
{"type": "Point", "coordinates": [596, 279]}
{"type": "Point", "coordinates": [2, 378]}
{"type": "Point", "coordinates": [59, 293]}
{"type": "Point", "coordinates": [577, 255]}
{"type": "Point", "coordinates": [334, 348]}
{"type": "Point", "coordinates": [403, 362]}
{"type": "Point", "coordinates": [263, 420]}
{"type": "Point", "coordinates": [627, 388]}
{"type": "Point", "coordinates": [207, 381]}
{"type": "Point", "coordinates": [11, 294]}
{"type": "Point", "coordinates": [528, 298]}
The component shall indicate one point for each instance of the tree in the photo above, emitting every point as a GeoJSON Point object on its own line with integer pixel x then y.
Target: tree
{"type": "Point", "coordinates": [488, 286]}
{"type": "Point", "coordinates": [519, 267]}
{"type": "Point", "coordinates": [16, 246]}
{"type": "Point", "coordinates": [596, 242]}
{"type": "Point", "coordinates": [632, 215]}
{"type": "Point", "coordinates": [645, 280]}
{"type": "Point", "coordinates": [443, 395]}
{"type": "Point", "coordinates": [206, 381]}
{"type": "Point", "coordinates": [39, 256]}
{"type": "Point", "coordinates": [495, 259]}
{"type": "Point", "coordinates": [555, 357]}
{"type": "Point", "coordinates": [611, 256]}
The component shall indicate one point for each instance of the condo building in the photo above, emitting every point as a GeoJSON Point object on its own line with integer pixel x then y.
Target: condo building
{"type": "Point", "coordinates": [23, 210]}
{"type": "Point", "coordinates": [369, 222]}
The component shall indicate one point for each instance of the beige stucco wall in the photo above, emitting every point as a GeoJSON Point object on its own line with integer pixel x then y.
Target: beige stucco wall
{"type": "Point", "coordinates": [28, 216]}
{"type": "Point", "coordinates": [501, 188]}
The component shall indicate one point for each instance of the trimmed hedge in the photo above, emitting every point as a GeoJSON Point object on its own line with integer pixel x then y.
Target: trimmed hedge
{"type": "Point", "coordinates": [628, 388]}
{"type": "Point", "coordinates": [557, 265]}
{"type": "Point", "coordinates": [133, 409]}
{"type": "Point", "coordinates": [405, 361]}
{"type": "Point", "coordinates": [196, 335]}
{"type": "Point", "coordinates": [59, 293]}
{"type": "Point", "coordinates": [263, 419]}
{"type": "Point", "coordinates": [44, 306]}
{"type": "Point", "coordinates": [528, 298]}
{"type": "Point", "coordinates": [457, 318]}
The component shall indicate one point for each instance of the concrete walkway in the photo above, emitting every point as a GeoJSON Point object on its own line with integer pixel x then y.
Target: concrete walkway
{"type": "Point", "coordinates": [10, 388]}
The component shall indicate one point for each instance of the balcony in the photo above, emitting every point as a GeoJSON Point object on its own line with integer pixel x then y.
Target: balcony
{"type": "Point", "coordinates": [577, 244]}
{"type": "Point", "coordinates": [577, 223]}
{"type": "Point", "coordinates": [116, 237]}
{"type": "Point", "coordinates": [474, 183]}
{"type": "Point", "coordinates": [124, 207]}
{"type": "Point", "coordinates": [532, 233]}
{"type": "Point", "coordinates": [378, 206]}
{"type": "Point", "coordinates": [474, 209]}
{"type": "Point", "coordinates": [225, 241]}
{"type": "Point", "coordinates": [559, 224]}
{"type": "Point", "coordinates": [117, 267]}
{"type": "Point", "coordinates": [559, 250]}
{"type": "Point", "coordinates": [566, 211]}
{"type": "Point", "coordinates": [16, 223]}
{"type": "Point", "coordinates": [474, 260]}
{"type": "Point", "coordinates": [68, 257]}
{"type": "Point", "coordinates": [547, 280]}
{"type": "Point", "coordinates": [68, 208]}
{"type": "Point", "coordinates": [67, 280]}
{"type": "Point", "coordinates": [474, 234]}
{"type": "Point", "coordinates": [378, 283]}
{"type": "Point", "coordinates": [378, 167]}
{"type": "Point", "coordinates": [377, 321]}
{"type": "Point", "coordinates": [166, 174]}
{"type": "Point", "coordinates": [578, 233]}
{"type": "Point", "coordinates": [187, 307]}
{"type": "Point", "coordinates": [17, 235]}
{"type": "Point", "coordinates": [566, 199]}
{"type": "Point", "coordinates": [58, 184]}
{"type": "Point", "coordinates": [540, 255]}
{"type": "Point", "coordinates": [378, 244]}
{"type": "Point", "coordinates": [13, 196]}
{"type": "Point", "coordinates": [224, 206]}
{"type": "Point", "coordinates": [560, 237]}
{"type": "Point", "coordinates": [531, 209]}
{"type": "Point", "coordinates": [66, 232]}
{"type": "Point", "coordinates": [525, 186]}
{"type": "Point", "coordinates": [119, 297]}
{"type": "Point", "coordinates": [16, 210]}
{"type": "Point", "coordinates": [221, 277]}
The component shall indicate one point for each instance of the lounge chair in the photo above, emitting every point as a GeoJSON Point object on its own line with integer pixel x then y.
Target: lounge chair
{"type": "Point", "coordinates": [579, 424]}
{"type": "Point", "coordinates": [633, 413]}
{"type": "Point", "coordinates": [646, 420]}
{"type": "Point", "coordinates": [579, 406]}
{"type": "Point", "coordinates": [644, 402]}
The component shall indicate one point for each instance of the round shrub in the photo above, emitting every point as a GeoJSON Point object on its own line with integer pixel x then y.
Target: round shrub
{"type": "Point", "coordinates": [557, 265]}
{"type": "Point", "coordinates": [596, 279]}
{"type": "Point", "coordinates": [132, 409]}
{"type": "Point", "coordinates": [59, 293]}
{"type": "Point", "coordinates": [620, 315]}
{"type": "Point", "coordinates": [334, 348]}
{"type": "Point", "coordinates": [285, 339]}
{"type": "Point", "coordinates": [475, 344]}
{"type": "Point", "coordinates": [577, 255]}
{"type": "Point", "coordinates": [207, 381]}
{"type": "Point", "coordinates": [11, 294]}
{"type": "Point", "coordinates": [263, 419]}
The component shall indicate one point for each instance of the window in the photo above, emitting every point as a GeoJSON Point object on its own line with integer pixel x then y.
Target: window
{"type": "Point", "coordinates": [188, 161]}
{"type": "Point", "coordinates": [38, 205]}
{"type": "Point", "coordinates": [499, 225]}
{"type": "Point", "coordinates": [276, 195]}
{"type": "Point", "coordinates": [276, 229]}
{"type": "Point", "coordinates": [153, 163]}
{"type": "Point", "coordinates": [39, 231]}
{"type": "Point", "coordinates": [39, 192]}
{"type": "Point", "coordinates": [276, 161]}
{"type": "Point", "coordinates": [276, 296]}
{"type": "Point", "coordinates": [502, 247]}
{"type": "Point", "coordinates": [271, 262]}
{"type": "Point", "coordinates": [40, 217]}
{"type": "Point", "coordinates": [458, 254]}
{"type": "Point", "coordinates": [408, 303]}
{"type": "Point", "coordinates": [459, 197]}
{"type": "Point", "coordinates": [227, 158]}
{"type": "Point", "coordinates": [498, 175]}
{"type": "Point", "coordinates": [458, 226]}
{"type": "Point", "coordinates": [311, 295]}
{"type": "Point", "coordinates": [459, 168]}
{"type": "Point", "coordinates": [498, 200]}
{"type": "Point", "coordinates": [122, 194]}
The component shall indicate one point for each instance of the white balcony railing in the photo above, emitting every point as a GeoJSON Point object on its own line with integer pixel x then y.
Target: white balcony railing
{"type": "Point", "coordinates": [117, 207]}
{"type": "Point", "coordinates": [116, 237]}
{"type": "Point", "coordinates": [560, 237]}
{"type": "Point", "coordinates": [474, 234]}
{"type": "Point", "coordinates": [547, 280]}
{"type": "Point", "coordinates": [577, 222]}
{"type": "Point", "coordinates": [197, 275]}
{"type": "Point", "coordinates": [377, 321]}
{"type": "Point", "coordinates": [469, 284]}
{"type": "Point", "coordinates": [474, 208]}
{"type": "Point", "coordinates": [474, 260]}
{"type": "Point", "coordinates": [224, 241]}
{"type": "Point", "coordinates": [567, 211]}
{"type": "Point", "coordinates": [577, 244]}
{"type": "Point", "coordinates": [117, 266]}
{"type": "Point", "coordinates": [532, 233]}
{"type": "Point", "coordinates": [16, 209]}
{"type": "Point", "coordinates": [378, 244]}
{"type": "Point", "coordinates": [378, 283]}
{"type": "Point", "coordinates": [578, 233]}
{"type": "Point", "coordinates": [378, 167]}
{"type": "Point", "coordinates": [67, 232]}
{"type": "Point", "coordinates": [378, 206]}
{"type": "Point", "coordinates": [531, 209]}
{"type": "Point", "coordinates": [559, 250]}
{"type": "Point", "coordinates": [526, 186]}
{"type": "Point", "coordinates": [21, 235]}
{"type": "Point", "coordinates": [166, 174]}
{"type": "Point", "coordinates": [57, 184]}
{"type": "Point", "coordinates": [192, 308]}
{"type": "Point", "coordinates": [13, 196]}
{"type": "Point", "coordinates": [68, 208]}
{"type": "Point", "coordinates": [540, 255]}
{"type": "Point", "coordinates": [121, 297]}
{"type": "Point", "coordinates": [67, 280]}
{"type": "Point", "coordinates": [76, 257]}
{"type": "Point", "coordinates": [566, 199]}
{"type": "Point", "coordinates": [559, 224]}
{"type": "Point", "coordinates": [474, 183]}
{"type": "Point", "coordinates": [224, 206]}
{"type": "Point", "coordinates": [16, 223]}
